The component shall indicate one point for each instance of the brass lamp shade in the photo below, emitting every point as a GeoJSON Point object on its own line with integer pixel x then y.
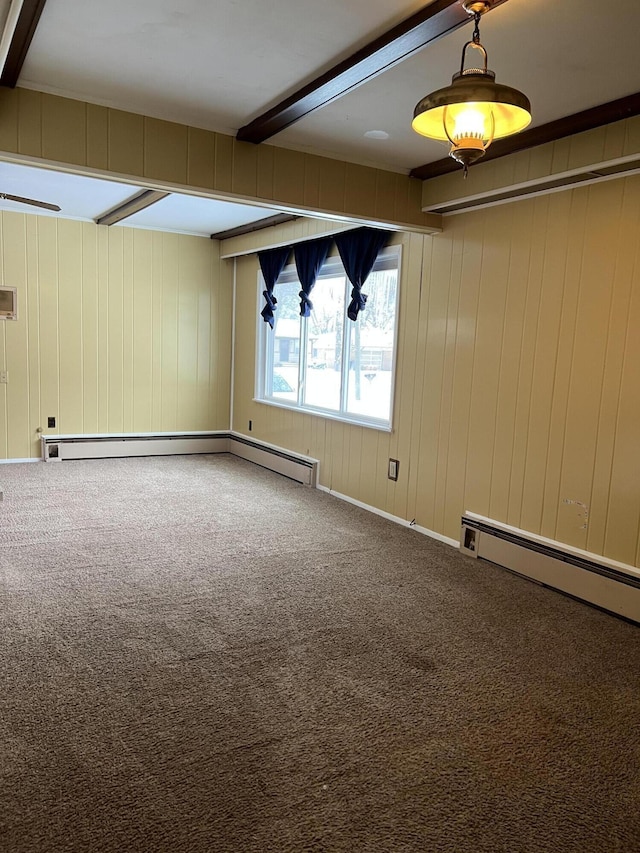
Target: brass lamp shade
{"type": "Point", "coordinates": [477, 90]}
{"type": "Point", "coordinates": [474, 110]}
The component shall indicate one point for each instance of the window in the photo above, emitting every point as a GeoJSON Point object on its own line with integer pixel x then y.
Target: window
{"type": "Point", "coordinates": [326, 363]}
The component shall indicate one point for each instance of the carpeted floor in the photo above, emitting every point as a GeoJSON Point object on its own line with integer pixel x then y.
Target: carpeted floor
{"type": "Point", "coordinates": [199, 655]}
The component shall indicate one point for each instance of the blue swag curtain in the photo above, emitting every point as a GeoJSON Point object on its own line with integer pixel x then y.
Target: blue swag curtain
{"type": "Point", "coordinates": [272, 262]}
{"type": "Point", "coordinates": [358, 251]}
{"type": "Point", "coordinates": [309, 259]}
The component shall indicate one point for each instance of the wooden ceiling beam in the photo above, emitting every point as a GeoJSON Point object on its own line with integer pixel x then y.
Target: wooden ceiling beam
{"type": "Point", "coordinates": [569, 125]}
{"type": "Point", "coordinates": [399, 43]}
{"type": "Point", "coordinates": [140, 201]}
{"type": "Point", "coordinates": [257, 225]}
{"type": "Point", "coordinates": [23, 33]}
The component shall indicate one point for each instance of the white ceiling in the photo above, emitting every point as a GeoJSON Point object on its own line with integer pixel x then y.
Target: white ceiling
{"type": "Point", "coordinates": [217, 64]}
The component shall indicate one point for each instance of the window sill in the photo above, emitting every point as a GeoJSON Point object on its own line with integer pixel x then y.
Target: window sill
{"type": "Point", "coordinates": [321, 413]}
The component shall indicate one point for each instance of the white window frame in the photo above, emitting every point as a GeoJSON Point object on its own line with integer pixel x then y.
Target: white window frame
{"type": "Point", "coordinates": [265, 342]}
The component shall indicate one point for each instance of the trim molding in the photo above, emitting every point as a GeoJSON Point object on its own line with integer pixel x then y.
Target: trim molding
{"type": "Point", "coordinates": [396, 519]}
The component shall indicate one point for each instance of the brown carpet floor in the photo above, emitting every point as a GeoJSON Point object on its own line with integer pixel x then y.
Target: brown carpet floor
{"type": "Point", "coordinates": [199, 655]}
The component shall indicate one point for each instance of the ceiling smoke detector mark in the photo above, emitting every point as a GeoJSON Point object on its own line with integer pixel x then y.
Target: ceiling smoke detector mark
{"type": "Point", "coordinates": [376, 134]}
{"type": "Point", "coordinates": [393, 469]}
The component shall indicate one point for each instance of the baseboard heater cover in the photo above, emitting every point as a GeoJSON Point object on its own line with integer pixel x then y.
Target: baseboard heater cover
{"type": "Point", "coordinates": [605, 583]}
{"type": "Point", "coordinates": [57, 448]}
{"type": "Point", "coordinates": [304, 469]}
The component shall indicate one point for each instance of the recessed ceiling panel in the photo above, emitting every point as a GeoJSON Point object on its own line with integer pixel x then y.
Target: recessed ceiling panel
{"type": "Point", "coordinates": [77, 196]}
{"type": "Point", "coordinates": [193, 215]}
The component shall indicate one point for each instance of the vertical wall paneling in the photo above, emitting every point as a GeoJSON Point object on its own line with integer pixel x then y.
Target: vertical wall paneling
{"type": "Point", "coordinates": [157, 338]}
{"type": "Point", "coordinates": [187, 315]}
{"type": "Point", "coordinates": [486, 361]}
{"type": "Point", "coordinates": [526, 356]}
{"type": "Point", "coordinates": [369, 469]}
{"type": "Point", "coordinates": [446, 403]}
{"type": "Point", "coordinates": [97, 136]}
{"type": "Point", "coordinates": [29, 303]}
{"type": "Point", "coordinates": [512, 331]}
{"type": "Point", "coordinates": [400, 440]}
{"type": "Point", "coordinates": [468, 235]}
{"type": "Point", "coordinates": [245, 173]}
{"type": "Point", "coordinates": [114, 331]}
{"type": "Point", "coordinates": [621, 289]}
{"type": "Point", "coordinates": [49, 318]}
{"type": "Point", "coordinates": [221, 345]}
{"type": "Point", "coordinates": [142, 321]}
{"type": "Point", "coordinates": [572, 275]}
{"type": "Point", "coordinates": [128, 331]}
{"type": "Point", "coordinates": [622, 537]}
{"type": "Point", "coordinates": [71, 324]}
{"type": "Point", "coordinates": [115, 336]}
{"type": "Point", "coordinates": [201, 158]}
{"type": "Point", "coordinates": [64, 137]}
{"type": "Point", "coordinates": [587, 370]}
{"type": "Point", "coordinates": [103, 327]}
{"type": "Point", "coordinates": [430, 309]}
{"type": "Point", "coordinates": [90, 320]}
{"type": "Point", "coordinates": [169, 363]}
{"type": "Point", "coordinates": [15, 339]}
{"type": "Point", "coordinates": [125, 141]}
{"type": "Point", "coordinates": [10, 121]}
{"type": "Point", "coordinates": [165, 150]}
{"type": "Point", "coordinates": [30, 123]}
{"type": "Point", "coordinates": [545, 359]}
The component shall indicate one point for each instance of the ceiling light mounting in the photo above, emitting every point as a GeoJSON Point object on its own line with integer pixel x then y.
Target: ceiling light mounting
{"type": "Point", "coordinates": [474, 110]}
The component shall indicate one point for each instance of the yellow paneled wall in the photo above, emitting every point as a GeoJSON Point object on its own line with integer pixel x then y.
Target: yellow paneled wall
{"type": "Point", "coordinates": [518, 377]}
{"type": "Point", "coordinates": [118, 330]}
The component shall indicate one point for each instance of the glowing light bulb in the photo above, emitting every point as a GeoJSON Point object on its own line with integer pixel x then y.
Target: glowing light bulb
{"type": "Point", "coordinates": [470, 123]}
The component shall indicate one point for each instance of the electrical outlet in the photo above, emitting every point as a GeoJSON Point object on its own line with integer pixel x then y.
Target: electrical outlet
{"type": "Point", "coordinates": [4, 377]}
{"type": "Point", "coordinates": [393, 469]}
{"type": "Point", "coordinates": [51, 423]}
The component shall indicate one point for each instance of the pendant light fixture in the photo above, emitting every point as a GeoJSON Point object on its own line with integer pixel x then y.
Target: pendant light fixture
{"type": "Point", "coordinates": [474, 110]}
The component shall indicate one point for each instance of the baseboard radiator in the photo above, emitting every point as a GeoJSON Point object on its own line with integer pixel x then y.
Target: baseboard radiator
{"type": "Point", "coordinates": [605, 583]}
{"type": "Point", "coordinates": [57, 448]}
